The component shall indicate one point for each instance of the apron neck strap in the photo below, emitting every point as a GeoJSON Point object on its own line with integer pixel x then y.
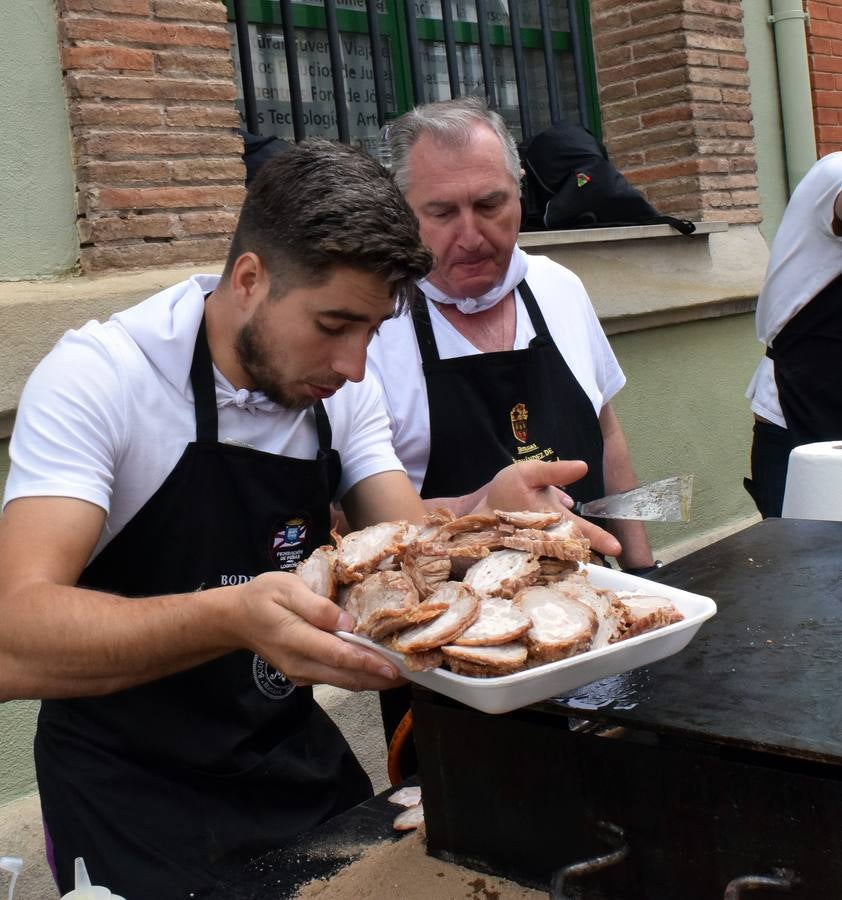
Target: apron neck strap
{"type": "Point", "coordinates": [323, 429]}
{"type": "Point", "coordinates": [204, 390]}
{"type": "Point", "coordinates": [533, 310]}
{"type": "Point", "coordinates": [424, 327]}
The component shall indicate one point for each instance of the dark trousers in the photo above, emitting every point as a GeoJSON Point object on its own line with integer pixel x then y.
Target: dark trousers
{"type": "Point", "coordinates": [770, 451]}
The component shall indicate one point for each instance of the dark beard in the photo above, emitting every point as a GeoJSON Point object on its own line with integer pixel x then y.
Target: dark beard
{"type": "Point", "coordinates": [251, 355]}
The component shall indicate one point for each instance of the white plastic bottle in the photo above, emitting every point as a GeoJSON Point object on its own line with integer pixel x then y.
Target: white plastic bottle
{"type": "Point", "coordinates": [84, 890]}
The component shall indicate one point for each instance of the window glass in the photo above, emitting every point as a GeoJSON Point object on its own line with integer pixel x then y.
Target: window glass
{"type": "Point", "coordinates": [353, 5]}
{"type": "Point", "coordinates": [498, 12]}
{"type": "Point", "coordinates": [274, 109]}
{"type": "Point", "coordinates": [437, 84]}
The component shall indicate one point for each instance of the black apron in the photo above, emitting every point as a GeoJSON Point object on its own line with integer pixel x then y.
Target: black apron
{"type": "Point", "coordinates": [492, 409]}
{"type": "Point", "coordinates": [169, 787]}
{"type": "Point", "coordinates": [489, 410]}
{"type": "Point", "coordinates": [807, 354]}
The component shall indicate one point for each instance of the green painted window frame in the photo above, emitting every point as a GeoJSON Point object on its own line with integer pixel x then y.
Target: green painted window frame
{"type": "Point", "coordinates": [267, 12]}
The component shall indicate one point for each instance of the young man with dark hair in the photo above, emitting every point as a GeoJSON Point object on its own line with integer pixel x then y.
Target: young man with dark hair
{"type": "Point", "coordinates": [170, 467]}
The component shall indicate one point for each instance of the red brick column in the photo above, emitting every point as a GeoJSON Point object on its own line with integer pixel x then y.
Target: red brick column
{"type": "Point", "coordinates": [824, 53]}
{"type": "Point", "coordinates": [676, 112]}
{"type": "Point", "coordinates": [151, 101]}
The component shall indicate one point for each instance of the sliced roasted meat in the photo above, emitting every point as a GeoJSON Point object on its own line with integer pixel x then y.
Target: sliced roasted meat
{"type": "Point", "coordinates": [643, 613]}
{"type": "Point", "coordinates": [485, 662]}
{"type": "Point", "coordinates": [553, 570]}
{"type": "Point", "coordinates": [490, 540]}
{"type": "Point", "coordinates": [503, 573]}
{"type": "Point", "coordinates": [472, 522]}
{"type": "Point", "coordinates": [424, 660]}
{"type": "Point", "coordinates": [561, 627]}
{"type": "Point", "coordinates": [429, 530]}
{"type": "Point", "coordinates": [610, 612]}
{"type": "Point", "coordinates": [440, 516]}
{"type": "Point", "coordinates": [360, 552]}
{"type": "Point", "coordinates": [528, 519]}
{"type": "Point", "coordinates": [388, 621]}
{"type": "Point", "coordinates": [500, 621]}
{"type": "Point", "coordinates": [453, 549]}
{"type": "Point", "coordinates": [461, 551]}
{"type": "Point", "coordinates": [379, 600]}
{"type": "Point", "coordinates": [317, 571]}
{"type": "Point", "coordinates": [462, 611]}
{"type": "Point", "coordinates": [427, 570]}
{"type": "Point", "coordinates": [563, 541]}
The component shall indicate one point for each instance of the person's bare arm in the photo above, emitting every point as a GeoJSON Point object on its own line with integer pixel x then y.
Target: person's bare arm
{"type": "Point", "coordinates": [620, 476]}
{"type": "Point", "coordinates": [384, 497]}
{"type": "Point", "coordinates": [58, 640]}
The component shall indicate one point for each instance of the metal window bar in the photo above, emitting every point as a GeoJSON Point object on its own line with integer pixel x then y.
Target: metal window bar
{"type": "Point", "coordinates": [414, 51]}
{"type": "Point", "coordinates": [578, 66]}
{"type": "Point", "coordinates": [485, 55]}
{"type": "Point", "coordinates": [376, 60]}
{"type": "Point", "coordinates": [293, 77]}
{"type": "Point", "coordinates": [520, 69]}
{"type": "Point", "coordinates": [246, 71]}
{"type": "Point", "coordinates": [334, 46]}
{"type": "Point", "coordinates": [450, 49]}
{"type": "Point", "coordinates": [549, 62]}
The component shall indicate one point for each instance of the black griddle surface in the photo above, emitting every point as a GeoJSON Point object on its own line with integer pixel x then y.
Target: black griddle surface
{"type": "Point", "coordinates": [765, 673]}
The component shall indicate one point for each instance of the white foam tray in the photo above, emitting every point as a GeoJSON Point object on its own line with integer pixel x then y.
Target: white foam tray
{"type": "Point", "coordinates": [508, 692]}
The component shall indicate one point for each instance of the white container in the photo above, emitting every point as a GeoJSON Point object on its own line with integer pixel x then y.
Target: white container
{"type": "Point", "coordinates": [508, 692]}
{"type": "Point", "coordinates": [814, 482]}
{"type": "Point", "coordinates": [84, 890]}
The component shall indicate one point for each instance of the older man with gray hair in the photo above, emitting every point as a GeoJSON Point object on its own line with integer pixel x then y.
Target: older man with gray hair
{"type": "Point", "coordinates": [503, 358]}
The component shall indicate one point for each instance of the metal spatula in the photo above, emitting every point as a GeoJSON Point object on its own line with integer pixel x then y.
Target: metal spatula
{"type": "Point", "coordinates": [667, 500]}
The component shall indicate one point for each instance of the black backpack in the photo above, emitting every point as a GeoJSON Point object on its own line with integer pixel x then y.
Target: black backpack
{"type": "Point", "coordinates": [258, 149]}
{"type": "Point", "coordinates": [571, 183]}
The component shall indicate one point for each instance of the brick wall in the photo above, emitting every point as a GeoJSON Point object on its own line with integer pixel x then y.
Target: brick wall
{"type": "Point", "coordinates": [673, 83]}
{"type": "Point", "coordinates": [824, 50]}
{"type": "Point", "coordinates": [151, 102]}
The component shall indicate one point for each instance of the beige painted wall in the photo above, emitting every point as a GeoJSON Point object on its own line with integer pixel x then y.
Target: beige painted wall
{"type": "Point", "coordinates": [683, 411]}
{"type": "Point", "coordinates": [37, 213]}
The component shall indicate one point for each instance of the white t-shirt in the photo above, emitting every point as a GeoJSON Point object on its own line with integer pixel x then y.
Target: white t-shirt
{"type": "Point", "coordinates": [805, 257]}
{"type": "Point", "coordinates": [108, 412]}
{"type": "Point", "coordinates": [396, 360]}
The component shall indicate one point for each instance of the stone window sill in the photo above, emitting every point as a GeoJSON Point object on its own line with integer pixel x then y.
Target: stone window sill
{"type": "Point", "coordinates": [646, 276]}
{"type": "Point", "coordinates": [616, 233]}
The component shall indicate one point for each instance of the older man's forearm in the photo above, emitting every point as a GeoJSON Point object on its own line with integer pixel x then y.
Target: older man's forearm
{"type": "Point", "coordinates": [619, 475]}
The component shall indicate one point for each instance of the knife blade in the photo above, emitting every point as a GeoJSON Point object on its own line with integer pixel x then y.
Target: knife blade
{"type": "Point", "coordinates": [667, 500]}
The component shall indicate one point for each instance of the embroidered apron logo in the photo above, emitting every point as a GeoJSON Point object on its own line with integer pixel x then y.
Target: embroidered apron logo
{"type": "Point", "coordinates": [287, 544]}
{"type": "Point", "coordinates": [582, 179]}
{"type": "Point", "coordinates": [271, 682]}
{"type": "Point", "coordinates": [518, 416]}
